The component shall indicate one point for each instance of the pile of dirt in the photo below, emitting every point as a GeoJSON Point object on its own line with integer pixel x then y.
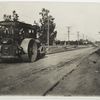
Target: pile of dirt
{"type": "Point", "coordinates": [84, 81]}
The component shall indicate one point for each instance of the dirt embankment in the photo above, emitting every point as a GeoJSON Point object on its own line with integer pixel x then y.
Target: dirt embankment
{"type": "Point", "coordinates": [84, 81]}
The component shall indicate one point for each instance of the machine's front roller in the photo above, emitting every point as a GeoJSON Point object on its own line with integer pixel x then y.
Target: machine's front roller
{"type": "Point", "coordinates": [30, 49]}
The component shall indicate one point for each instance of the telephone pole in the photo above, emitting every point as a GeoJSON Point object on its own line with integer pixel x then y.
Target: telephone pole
{"type": "Point", "coordinates": [78, 38]}
{"type": "Point", "coordinates": [48, 33]}
{"type": "Point", "coordinates": [47, 11]}
{"type": "Point", "coordinates": [86, 38]}
{"type": "Point", "coordinates": [83, 37]}
{"type": "Point", "coordinates": [68, 27]}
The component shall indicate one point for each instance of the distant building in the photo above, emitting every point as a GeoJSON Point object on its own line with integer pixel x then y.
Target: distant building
{"type": "Point", "coordinates": [98, 43]}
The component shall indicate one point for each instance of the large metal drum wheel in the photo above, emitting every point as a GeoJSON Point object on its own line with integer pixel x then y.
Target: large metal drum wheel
{"type": "Point", "coordinates": [32, 51]}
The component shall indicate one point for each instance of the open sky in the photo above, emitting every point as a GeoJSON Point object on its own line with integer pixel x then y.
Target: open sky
{"type": "Point", "coordinates": [82, 17]}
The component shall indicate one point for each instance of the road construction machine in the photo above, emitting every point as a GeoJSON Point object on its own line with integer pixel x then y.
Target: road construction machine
{"type": "Point", "coordinates": [19, 40]}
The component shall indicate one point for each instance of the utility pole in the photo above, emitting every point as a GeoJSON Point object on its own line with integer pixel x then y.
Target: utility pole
{"type": "Point", "coordinates": [68, 27]}
{"type": "Point", "coordinates": [48, 28]}
{"type": "Point", "coordinates": [48, 33]}
{"type": "Point", "coordinates": [86, 38]}
{"type": "Point", "coordinates": [83, 37]}
{"type": "Point", "coordinates": [78, 38]}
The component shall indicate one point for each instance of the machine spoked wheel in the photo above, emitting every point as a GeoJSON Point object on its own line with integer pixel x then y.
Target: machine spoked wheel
{"type": "Point", "coordinates": [32, 52]}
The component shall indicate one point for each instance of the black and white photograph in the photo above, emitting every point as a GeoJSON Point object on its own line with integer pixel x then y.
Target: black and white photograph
{"type": "Point", "coordinates": [49, 48]}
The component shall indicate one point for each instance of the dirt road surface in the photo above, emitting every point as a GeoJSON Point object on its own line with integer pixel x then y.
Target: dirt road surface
{"type": "Point", "coordinates": [43, 76]}
{"type": "Point", "coordinates": [84, 81]}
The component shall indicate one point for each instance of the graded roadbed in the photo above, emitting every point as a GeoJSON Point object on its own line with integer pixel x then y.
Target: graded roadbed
{"type": "Point", "coordinates": [52, 50]}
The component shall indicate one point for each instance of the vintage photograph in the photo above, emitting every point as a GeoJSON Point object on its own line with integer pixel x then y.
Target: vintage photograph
{"type": "Point", "coordinates": [49, 48]}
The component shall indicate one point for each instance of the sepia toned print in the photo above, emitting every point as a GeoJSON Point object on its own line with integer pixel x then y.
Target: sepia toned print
{"type": "Point", "coordinates": [49, 48]}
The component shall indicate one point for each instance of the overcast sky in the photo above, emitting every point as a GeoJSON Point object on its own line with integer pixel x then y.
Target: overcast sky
{"type": "Point", "coordinates": [82, 17]}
